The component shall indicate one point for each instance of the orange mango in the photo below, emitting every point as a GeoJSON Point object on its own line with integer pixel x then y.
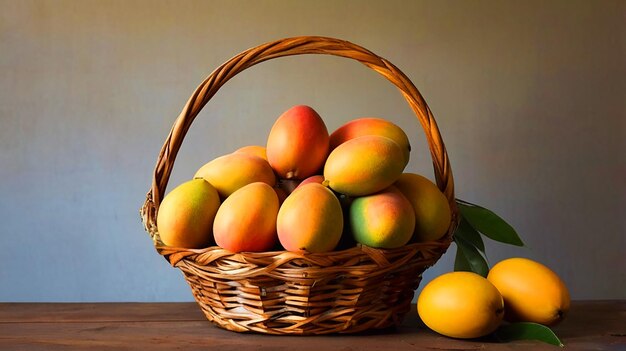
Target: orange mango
{"type": "Point", "coordinates": [298, 143]}
{"type": "Point", "coordinates": [383, 220]}
{"type": "Point", "coordinates": [246, 221]}
{"type": "Point", "coordinates": [371, 126]}
{"type": "Point", "coordinates": [310, 220]}
{"type": "Point", "coordinates": [532, 292]}
{"type": "Point", "coordinates": [364, 165]}
{"type": "Point", "coordinates": [186, 214]}
{"type": "Point", "coordinates": [318, 178]}
{"type": "Point", "coordinates": [255, 150]}
{"type": "Point", "coordinates": [230, 172]}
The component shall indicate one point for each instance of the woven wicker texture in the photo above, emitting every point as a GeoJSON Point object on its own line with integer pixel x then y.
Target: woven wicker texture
{"type": "Point", "coordinates": [280, 292]}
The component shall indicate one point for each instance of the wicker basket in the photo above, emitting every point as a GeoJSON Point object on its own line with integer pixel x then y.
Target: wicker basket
{"type": "Point", "coordinates": [281, 292]}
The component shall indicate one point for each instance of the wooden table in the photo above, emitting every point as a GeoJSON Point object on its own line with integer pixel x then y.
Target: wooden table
{"type": "Point", "coordinates": [591, 325]}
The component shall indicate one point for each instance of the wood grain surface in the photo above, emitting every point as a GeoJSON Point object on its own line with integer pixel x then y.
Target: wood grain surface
{"type": "Point", "coordinates": [591, 325]}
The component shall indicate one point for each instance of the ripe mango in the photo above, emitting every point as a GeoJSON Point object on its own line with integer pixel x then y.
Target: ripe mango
{"type": "Point", "coordinates": [230, 172]}
{"type": "Point", "coordinates": [246, 221]}
{"type": "Point", "coordinates": [371, 126]}
{"type": "Point", "coordinates": [186, 214]}
{"type": "Point", "coordinates": [297, 145]}
{"type": "Point", "coordinates": [532, 292]}
{"type": "Point", "coordinates": [255, 150]}
{"type": "Point", "coordinates": [310, 220]}
{"type": "Point", "coordinates": [432, 211]}
{"type": "Point", "coordinates": [383, 220]}
{"type": "Point", "coordinates": [318, 178]}
{"type": "Point", "coordinates": [364, 165]}
{"type": "Point", "coordinates": [461, 305]}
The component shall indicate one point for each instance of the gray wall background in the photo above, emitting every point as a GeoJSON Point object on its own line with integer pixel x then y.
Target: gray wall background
{"type": "Point", "coordinates": [529, 96]}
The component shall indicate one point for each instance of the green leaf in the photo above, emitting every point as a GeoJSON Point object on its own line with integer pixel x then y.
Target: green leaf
{"type": "Point", "coordinates": [460, 262]}
{"type": "Point", "coordinates": [467, 232]}
{"type": "Point", "coordinates": [489, 224]}
{"type": "Point", "coordinates": [527, 331]}
{"type": "Point", "coordinates": [472, 260]}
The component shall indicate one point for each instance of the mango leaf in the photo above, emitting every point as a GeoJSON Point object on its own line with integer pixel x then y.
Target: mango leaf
{"type": "Point", "coordinates": [460, 262]}
{"type": "Point", "coordinates": [488, 223]}
{"type": "Point", "coordinates": [469, 259]}
{"type": "Point", "coordinates": [527, 331]}
{"type": "Point", "coordinates": [467, 232]}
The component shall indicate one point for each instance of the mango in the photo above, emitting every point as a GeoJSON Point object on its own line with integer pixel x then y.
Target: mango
{"type": "Point", "coordinates": [532, 292]}
{"type": "Point", "coordinates": [318, 178]}
{"type": "Point", "coordinates": [432, 211]}
{"type": "Point", "coordinates": [255, 150]}
{"type": "Point", "coordinates": [383, 220]}
{"type": "Point", "coordinates": [310, 220]}
{"type": "Point", "coordinates": [297, 144]}
{"type": "Point", "coordinates": [371, 126]}
{"type": "Point", "coordinates": [461, 305]}
{"type": "Point", "coordinates": [231, 172]}
{"type": "Point", "coordinates": [246, 221]}
{"type": "Point", "coordinates": [186, 215]}
{"type": "Point", "coordinates": [364, 165]}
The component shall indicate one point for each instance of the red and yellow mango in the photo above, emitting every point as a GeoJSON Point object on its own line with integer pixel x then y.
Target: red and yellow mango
{"type": "Point", "coordinates": [318, 178]}
{"type": "Point", "coordinates": [298, 143]}
{"type": "Point", "coordinates": [310, 220]}
{"type": "Point", "coordinates": [371, 126]}
{"type": "Point", "coordinates": [246, 221]}
{"type": "Point", "coordinates": [186, 214]}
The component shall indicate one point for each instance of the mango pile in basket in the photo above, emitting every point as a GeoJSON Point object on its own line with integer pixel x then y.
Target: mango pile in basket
{"type": "Point", "coordinates": [307, 191]}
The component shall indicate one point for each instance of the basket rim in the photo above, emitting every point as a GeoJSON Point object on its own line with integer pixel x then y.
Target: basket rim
{"type": "Point", "coordinates": [175, 254]}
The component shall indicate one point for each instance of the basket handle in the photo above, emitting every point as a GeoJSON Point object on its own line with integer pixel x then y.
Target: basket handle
{"type": "Point", "coordinates": [288, 47]}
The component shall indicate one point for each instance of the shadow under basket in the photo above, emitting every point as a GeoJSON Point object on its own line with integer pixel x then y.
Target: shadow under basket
{"type": "Point", "coordinates": [281, 292]}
